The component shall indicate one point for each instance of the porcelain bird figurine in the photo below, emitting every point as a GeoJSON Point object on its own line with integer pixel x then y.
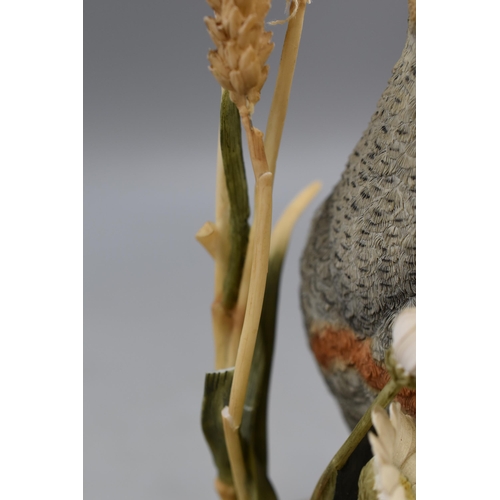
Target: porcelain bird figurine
{"type": "Point", "coordinates": [358, 268]}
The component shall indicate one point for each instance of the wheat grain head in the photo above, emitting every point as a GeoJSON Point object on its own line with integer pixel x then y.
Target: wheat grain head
{"type": "Point", "coordinates": [242, 48]}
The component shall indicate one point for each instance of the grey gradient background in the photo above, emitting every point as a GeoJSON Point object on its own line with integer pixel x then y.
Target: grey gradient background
{"type": "Point", "coordinates": [150, 126]}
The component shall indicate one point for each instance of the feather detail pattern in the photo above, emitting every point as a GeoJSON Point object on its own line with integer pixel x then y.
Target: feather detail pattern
{"type": "Point", "coordinates": [359, 266]}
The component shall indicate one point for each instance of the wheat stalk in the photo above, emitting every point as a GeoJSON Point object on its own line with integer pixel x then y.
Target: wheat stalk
{"type": "Point", "coordinates": [238, 64]}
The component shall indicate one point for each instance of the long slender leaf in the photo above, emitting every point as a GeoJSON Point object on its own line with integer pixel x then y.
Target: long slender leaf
{"type": "Point", "coordinates": [253, 428]}
{"type": "Point", "coordinates": [215, 397]}
{"type": "Point", "coordinates": [236, 182]}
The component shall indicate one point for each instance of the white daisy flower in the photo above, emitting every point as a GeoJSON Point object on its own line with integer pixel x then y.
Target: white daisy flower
{"type": "Point", "coordinates": [394, 450]}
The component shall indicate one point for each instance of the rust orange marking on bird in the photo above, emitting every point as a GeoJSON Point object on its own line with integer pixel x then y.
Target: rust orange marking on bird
{"type": "Point", "coordinates": [337, 349]}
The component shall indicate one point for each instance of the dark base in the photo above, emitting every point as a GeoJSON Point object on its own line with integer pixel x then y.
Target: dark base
{"type": "Point", "coordinates": [347, 479]}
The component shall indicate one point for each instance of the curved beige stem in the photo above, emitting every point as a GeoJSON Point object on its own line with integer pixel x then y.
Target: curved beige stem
{"type": "Point", "coordinates": [279, 105]}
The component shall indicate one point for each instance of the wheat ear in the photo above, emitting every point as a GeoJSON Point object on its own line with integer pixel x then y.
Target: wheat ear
{"type": "Point", "coordinates": [238, 64]}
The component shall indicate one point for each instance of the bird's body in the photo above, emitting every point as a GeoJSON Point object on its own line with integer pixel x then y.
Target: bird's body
{"type": "Point", "coordinates": [358, 268]}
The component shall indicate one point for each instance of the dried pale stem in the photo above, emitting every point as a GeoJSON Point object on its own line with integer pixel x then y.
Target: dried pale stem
{"type": "Point", "coordinates": [272, 140]}
{"type": "Point", "coordinates": [235, 453]}
{"type": "Point", "coordinates": [207, 237]}
{"type": "Point", "coordinates": [232, 416]}
{"type": "Point", "coordinates": [225, 491]}
{"type": "Point", "coordinates": [260, 245]}
{"type": "Point", "coordinates": [259, 163]}
{"type": "Point", "coordinates": [279, 105]}
{"type": "Point", "coordinates": [239, 310]}
{"type": "Point", "coordinates": [283, 228]}
{"type": "Point", "coordinates": [279, 242]}
{"type": "Point", "coordinates": [260, 264]}
{"type": "Point", "coordinates": [252, 285]}
{"type": "Point", "coordinates": [256, 147]}
{"type": "Point", "coordinates": [222, 327]}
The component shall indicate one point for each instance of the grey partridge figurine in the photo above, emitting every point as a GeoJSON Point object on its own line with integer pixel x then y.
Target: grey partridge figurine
{"type": "Point", "coordinates": [358, 268]}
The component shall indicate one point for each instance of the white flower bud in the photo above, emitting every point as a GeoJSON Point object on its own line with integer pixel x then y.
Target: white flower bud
{"type": "Point", "coordinates": [404, 341]}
